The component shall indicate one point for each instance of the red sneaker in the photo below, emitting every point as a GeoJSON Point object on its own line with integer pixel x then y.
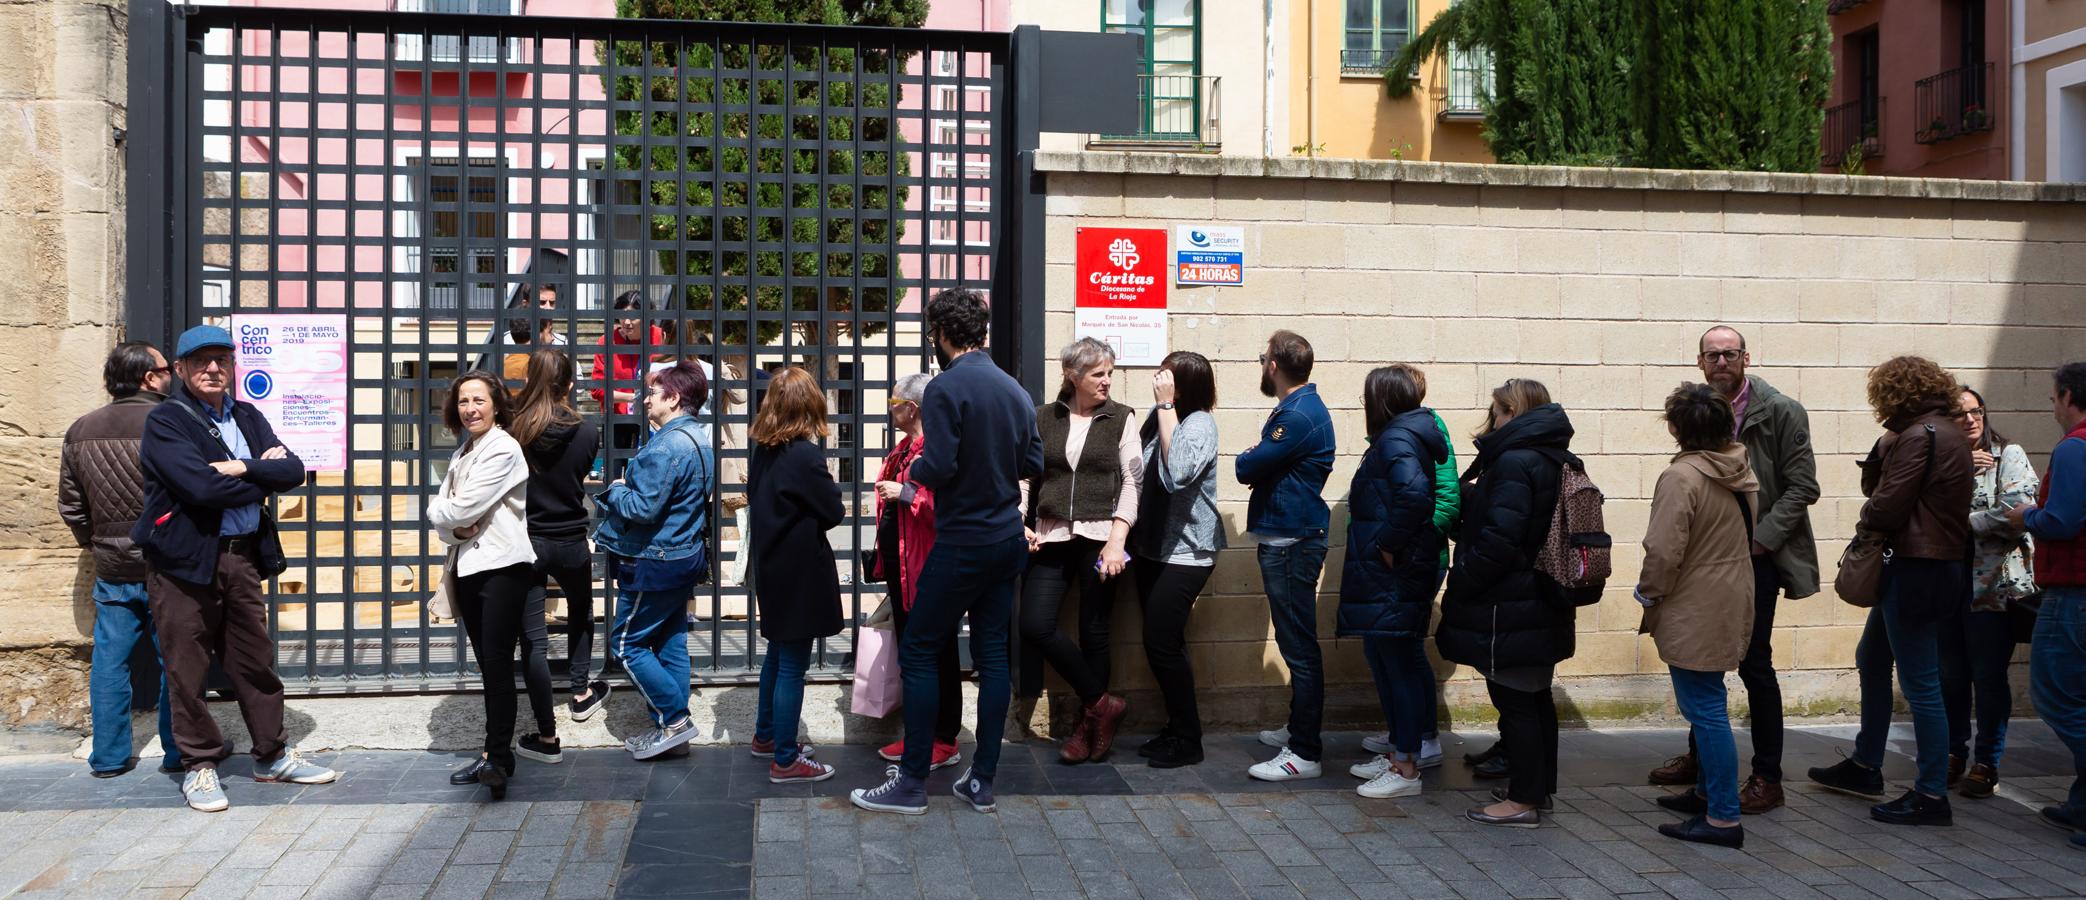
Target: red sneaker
{"type": "Point", "coordinates": [944, 754]}
{"type": "Point", "coordinates": [1105, 715]}
{"type": "Point", "coordinates": [800, 771]}
{"type": "Point", "coordinates": [766, 749]}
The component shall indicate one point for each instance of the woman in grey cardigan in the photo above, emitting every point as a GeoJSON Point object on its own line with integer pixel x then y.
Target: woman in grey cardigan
{"type": "Point", "coordinates": [1176, 541]}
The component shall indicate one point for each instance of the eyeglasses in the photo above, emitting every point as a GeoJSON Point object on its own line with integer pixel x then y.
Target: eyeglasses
{"type": "Point", "coordinates": [896, 402]}
{"type": "Point", "coordinates": [1723, 356]}
{"type": "Point", "coordinates": [1975, 412]}
{"type": "Point", "coordinates": [1263, 359]}
{"type": "Point", "coordinates": [205, 362]}
{"type": "Point", "coordinates": [160, 370]}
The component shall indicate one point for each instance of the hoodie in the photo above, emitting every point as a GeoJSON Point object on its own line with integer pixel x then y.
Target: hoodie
{"type": "Point", "coordinates": [1697, 579]}
{"type": "Point", "coordinates": [559, 459]}
{"type": "Point", "coordinates": [1391, 509]}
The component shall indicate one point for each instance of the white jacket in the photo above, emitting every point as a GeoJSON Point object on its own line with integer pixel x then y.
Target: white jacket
{"type": "Point", "coordinates": [487, 487]}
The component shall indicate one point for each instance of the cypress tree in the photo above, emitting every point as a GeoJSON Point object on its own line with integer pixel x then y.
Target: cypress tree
{"type": "Point", "coordinates": [1732, 84]}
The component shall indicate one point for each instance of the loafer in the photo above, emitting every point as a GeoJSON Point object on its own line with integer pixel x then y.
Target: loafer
{"type": "Point", "coordinates": [474, 772]}
{"type": "Point", "coordinates": [1686, 803]}
{"type": "Point", "coordinates": [1529, 818]}
{"type": "Point", "coordinates": [1500, 794]}
{"type": "Point", "coordinates": [1492, 768]}
{"type": "Point", "coordinates": [1980, 782]}
{"type": "Point", "coordinates": [1850, 777]}
{"type": "Point", "coordinates": [1914, 808]}
{"type": "Point", "coordinates": [1698, 831]}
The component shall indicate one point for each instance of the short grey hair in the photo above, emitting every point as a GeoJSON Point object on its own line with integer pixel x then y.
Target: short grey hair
{"type": "Point", "coordinates": [1079, 357]}
{"type": "Point", "coordinates": [912, 387]}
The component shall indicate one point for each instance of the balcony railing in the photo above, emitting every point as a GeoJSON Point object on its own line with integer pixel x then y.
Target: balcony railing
{"type": "Point", "coordinates": [1836, 7]}
{"type": "Point", "coordinates": [477, 50]}
{"type": "Point", "coordinates": [1179, 112]}
{"type": "Point", "coordinates": [1365, 62]}
{"type": "Point", "coordinates": [1462, 84]}
{"type": "Point", "coordinates": [1851, 134]}
{"type": "Point", "coordinates": [1952, 104]}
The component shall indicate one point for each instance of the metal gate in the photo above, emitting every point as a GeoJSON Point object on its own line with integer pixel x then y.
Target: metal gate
{"type": "Point", "coordinates": [459, 186]}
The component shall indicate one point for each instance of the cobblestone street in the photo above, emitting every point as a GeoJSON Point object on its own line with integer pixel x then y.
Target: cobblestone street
{"type": "Point", "coordinates": [711, 826]}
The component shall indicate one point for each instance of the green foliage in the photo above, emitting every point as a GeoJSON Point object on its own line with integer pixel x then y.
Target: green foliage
{"type": "Point", "coordinates": [727, 179]}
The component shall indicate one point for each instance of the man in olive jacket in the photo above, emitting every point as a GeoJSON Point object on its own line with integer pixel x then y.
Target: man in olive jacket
{"type": "Point", "coordinates": [1777, 434]}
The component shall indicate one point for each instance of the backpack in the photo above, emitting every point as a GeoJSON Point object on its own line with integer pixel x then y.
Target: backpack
{"type": "Point", "coordinates": [1577, 552]}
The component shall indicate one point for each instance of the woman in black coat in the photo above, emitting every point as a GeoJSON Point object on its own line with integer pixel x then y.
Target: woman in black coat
{"type": "Point", "coordinates": [793, 503]}
{"type": "Point", "coordinates": [1393, 568]}
{"type": "Point", "coordinates": [1499, 615]}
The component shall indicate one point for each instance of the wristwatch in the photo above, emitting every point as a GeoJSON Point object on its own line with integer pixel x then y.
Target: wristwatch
{"type": "Point", "coordinates": [1167, 405]}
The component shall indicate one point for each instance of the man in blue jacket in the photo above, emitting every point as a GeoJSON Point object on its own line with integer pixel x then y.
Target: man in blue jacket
{"type": "Point", "coordinates": [1287, 516]}
{"type": "Point", "coordinates": [210, 463]}
{"type": "Point", "coordinates": [979, 443]}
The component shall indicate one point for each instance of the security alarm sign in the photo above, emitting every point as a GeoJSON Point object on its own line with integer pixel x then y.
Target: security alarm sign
{"type": "Point", "coordinates": [1121, 295]}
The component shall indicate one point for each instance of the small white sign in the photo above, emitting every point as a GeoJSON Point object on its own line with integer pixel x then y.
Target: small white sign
{"type": "Point", "coordinates": [1209, 255]}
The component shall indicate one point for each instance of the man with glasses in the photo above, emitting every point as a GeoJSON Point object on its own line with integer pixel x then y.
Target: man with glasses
{"type": "Point", "coordinates": [98, 497]}
{"type": "Point", "coordinates": [210, 463]}
{"type": "Point", "coordinates": [1777, 433]}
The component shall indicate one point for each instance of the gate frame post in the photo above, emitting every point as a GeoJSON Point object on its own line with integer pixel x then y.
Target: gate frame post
{"type": "Point", "coordinates": [1017, 280]}
{"type": "Point", "coordinates": [153, 292]}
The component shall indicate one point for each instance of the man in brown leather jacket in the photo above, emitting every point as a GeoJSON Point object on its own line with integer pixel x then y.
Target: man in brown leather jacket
{"type": "Point", "coordinates": [100, 496]}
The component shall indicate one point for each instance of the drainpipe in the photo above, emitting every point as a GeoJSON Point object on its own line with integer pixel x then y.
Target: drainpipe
{"type": "Point", "coordinates": [1267, 87]}
{"type": "Point", "coordinates": [2017, 92]}
{"type": "Point", "coordinates": [1311, 77]}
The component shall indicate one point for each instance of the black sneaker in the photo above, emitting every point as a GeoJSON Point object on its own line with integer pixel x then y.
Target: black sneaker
{"type": "Point", "coordinates": [597, 697]}
{"type": "Point", "coordinates": [1154, 745]}
{"type": "Point", "coordinates": [1914, 808]}
{"type": "Point", "coordinates": [1850, 777]}
{"type": "Point", "coordinates": [1686, 802]}
{"type": "Point", "coordinates": [2057, 817]}
{"type": "Point", "coordinates": [1177, 752]}
{"type": "Point", "coordinates": [540, 748]}
{"type": "Point", "coordinates": [1494, 768]}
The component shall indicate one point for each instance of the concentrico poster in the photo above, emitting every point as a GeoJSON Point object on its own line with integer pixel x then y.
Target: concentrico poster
{"type": "Point", "coordinates": [1209, 254]}
{"type": "Point", "coordinates": [1121, 295]}
{"type": "Point", "coordinates": [294, 368]}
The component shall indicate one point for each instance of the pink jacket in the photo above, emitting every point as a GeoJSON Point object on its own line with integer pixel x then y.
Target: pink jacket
{"type": "Point", "coordinates": [915, 519]}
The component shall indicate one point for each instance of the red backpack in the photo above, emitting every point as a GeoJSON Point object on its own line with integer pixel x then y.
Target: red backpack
{"type": "Point", "coordinates": [1577, 552]}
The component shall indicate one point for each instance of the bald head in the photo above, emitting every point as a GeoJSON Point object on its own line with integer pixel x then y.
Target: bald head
{"type": "Point", "coordinates": [1723, 331]}
{"type": "Point", "coordinates": [1721, 354]}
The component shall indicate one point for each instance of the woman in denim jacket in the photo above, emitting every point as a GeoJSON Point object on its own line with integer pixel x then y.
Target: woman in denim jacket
{"type": "Point", "coordinates": [655, 526]}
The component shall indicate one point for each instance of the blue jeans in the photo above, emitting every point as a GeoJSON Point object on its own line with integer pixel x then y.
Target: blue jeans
{"type": "Point", "coordinates": [1897, 635]}
{"type": "Point", "coordinates": [1704, 701]}
{"type": "Point", "coordinates": [954, 581]}
{"type": "Point", "coordinates": [782, 697]}
{"type": "Point", "coordinates": [1405, 688]}
{"type": "Point", "coordinates": [122, 617]}
{"type": "Point", "coordinates": [1975, 653]}
{"type": "Point", "coordinates": [2057, 679]}
{"type": "Point", "coordinates": [1290, 576]}
{"type": "Point", "coordinates": [650, 637]}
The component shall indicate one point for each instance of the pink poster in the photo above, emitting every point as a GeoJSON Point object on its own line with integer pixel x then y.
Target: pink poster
{"type": "Point", "coordinates": [294, 368]}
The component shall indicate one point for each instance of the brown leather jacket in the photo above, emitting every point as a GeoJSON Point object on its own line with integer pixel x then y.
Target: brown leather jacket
{"type": "Point", "coordinates": [1920, 506]}
{"type": "Point", "coordinates": [100, 485]}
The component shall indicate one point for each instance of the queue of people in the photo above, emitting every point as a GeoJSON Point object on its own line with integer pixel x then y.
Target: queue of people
{"type": "Point", "coordinates": [995, 510]}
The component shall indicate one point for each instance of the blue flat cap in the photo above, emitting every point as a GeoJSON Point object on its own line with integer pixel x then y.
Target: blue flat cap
{"type": "Point", "coordinates": [202, 337]}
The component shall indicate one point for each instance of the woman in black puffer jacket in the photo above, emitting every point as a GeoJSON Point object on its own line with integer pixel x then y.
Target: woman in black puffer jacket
{"type": "Point", "coordinates": [1393, 568]}
{"type": "Point", "coordinates": [1499, 615]}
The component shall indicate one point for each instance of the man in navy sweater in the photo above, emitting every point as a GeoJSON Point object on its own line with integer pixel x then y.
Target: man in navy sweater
{"type": "Point", "coordinates": [210, 463]}
{"type": "Point", "coordinates": [979, 443]}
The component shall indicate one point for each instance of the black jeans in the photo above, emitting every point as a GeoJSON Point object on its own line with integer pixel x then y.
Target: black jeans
{"type": "Point", "coordinates": [1757, 673]}
{"type": "Point", "coordinates": [948, 672]}
{"type": "Point", "coordinates": [572, 564]}
{"type": "Point", "coordinates": [1528, 726]}
{"type": "Point", "coordinates": [1052, 572]}
{"type": "Point", "coordinates": [499, 610]}
{"type": "Point", "coordinates": [1167, 593]}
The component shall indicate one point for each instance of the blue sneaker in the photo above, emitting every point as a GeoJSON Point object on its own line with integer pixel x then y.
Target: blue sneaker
{"type": "Point", "coordinates": [977, 790]}
{"type": "Point", "coordinates": [901, 793]}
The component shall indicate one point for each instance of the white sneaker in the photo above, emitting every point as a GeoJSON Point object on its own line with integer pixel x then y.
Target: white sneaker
{"type": "Point", "coordinates": [1389, 784]}
{"type": "Point", "coordinates": [1378, 743]}
{"type": "Point", "coordinates": [1286, 766]}
{"type": "Point", "coordinates": [1277, 738]}
{"type": "Point", "coordinates": [1430, 753]}
{"type": "Point", "coordinates": [1370, 769]}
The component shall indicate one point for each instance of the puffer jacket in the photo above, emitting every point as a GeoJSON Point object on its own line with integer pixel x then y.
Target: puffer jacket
{"type": "Point", "coordinates": [101, 486]}
{"type": "Point", "coordinates": [1698, 560]}
{"type": "Point", "coordinates": [1498, 612]}
{"type": "Point", "coordinates": [1390, 507]}
{"type": "Point", "coordinates": [1921, 507]}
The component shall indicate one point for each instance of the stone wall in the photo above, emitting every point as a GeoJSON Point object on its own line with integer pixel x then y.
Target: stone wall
{"type": "Point", "coordinates": [1596, 282]}
{"type": "Point", "coordinates": [61, 239]}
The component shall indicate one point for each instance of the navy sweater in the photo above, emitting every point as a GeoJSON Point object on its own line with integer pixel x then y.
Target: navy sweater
{"type": "Point", "coordinates": [980, 442]}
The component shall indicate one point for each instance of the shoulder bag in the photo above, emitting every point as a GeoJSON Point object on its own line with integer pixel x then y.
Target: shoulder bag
{"type": "Point", "coordinates": [1860, 579]}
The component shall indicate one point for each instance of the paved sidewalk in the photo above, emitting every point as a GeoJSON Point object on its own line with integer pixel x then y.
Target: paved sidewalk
{"type": "Point", "coordinates": [710, 826]}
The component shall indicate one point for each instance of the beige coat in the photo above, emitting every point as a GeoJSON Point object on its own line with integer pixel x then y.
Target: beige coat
{"type": "Point", "coordinates": [1698, 561]}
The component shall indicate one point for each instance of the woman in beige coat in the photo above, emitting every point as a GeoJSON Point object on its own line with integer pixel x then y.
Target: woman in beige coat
{"type": "Point", "coordinates": [1697, 592]}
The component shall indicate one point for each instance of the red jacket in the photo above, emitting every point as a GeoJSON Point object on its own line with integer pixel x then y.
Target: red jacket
{"type": "Point", "coordinates": [2061, 563]}
{"type": "Point", "coordinates": [915, 520]}
{"type": "Point", "coordinates": [629, 373]}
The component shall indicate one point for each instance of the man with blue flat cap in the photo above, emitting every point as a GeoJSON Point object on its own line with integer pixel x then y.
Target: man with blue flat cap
{"type": "Point", "coordinates": [210, 464]}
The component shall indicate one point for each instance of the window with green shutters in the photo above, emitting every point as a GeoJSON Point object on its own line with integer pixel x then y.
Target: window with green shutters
{"type": "Point", "coordinates": [1169, 86]}
{"type": "Point", "coordinates": [1375, 31]}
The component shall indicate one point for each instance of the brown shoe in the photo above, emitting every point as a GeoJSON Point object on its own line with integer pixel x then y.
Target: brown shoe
{"type": "Point", "coordinates": [1079, 745]}
{"type": "Point", "coordinates": [1981, 782]}
{"type": "Point", "coordinates": [1758, 796]}
{"type": "Point", "coordinates": [1956, 765]}
{"type": "Point", "coordinates": [1105, 715]}
{"type": "Point", "coordinates": [1678, 771]}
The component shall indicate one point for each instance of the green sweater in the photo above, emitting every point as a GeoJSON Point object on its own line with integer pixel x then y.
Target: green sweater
{"type": "Point", "coordinates": [1448, 497]}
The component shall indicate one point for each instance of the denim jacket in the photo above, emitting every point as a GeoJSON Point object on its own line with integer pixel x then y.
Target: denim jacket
{"type": "Point", "coordinates": [1287, 469]}
{"type": "Point", "coordinates": [660, 510]}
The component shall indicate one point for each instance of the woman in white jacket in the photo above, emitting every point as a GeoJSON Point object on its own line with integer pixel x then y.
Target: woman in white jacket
{"type": "Point", "coordinates": [481, 512]}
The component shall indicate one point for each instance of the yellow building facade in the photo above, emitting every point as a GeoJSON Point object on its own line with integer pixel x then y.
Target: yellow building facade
{"type": "Point", "coordinates": [1337, 103]}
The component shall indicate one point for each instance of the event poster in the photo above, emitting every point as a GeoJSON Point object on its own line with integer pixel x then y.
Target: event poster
{"type": "Point", "coordinates": [1121, 295]}
{"type": "Point", "coordinates": [294, 368]}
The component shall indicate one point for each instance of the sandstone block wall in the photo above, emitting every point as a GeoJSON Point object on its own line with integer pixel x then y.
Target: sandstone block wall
{"type": "Point", "coordinates": [1597, 283]}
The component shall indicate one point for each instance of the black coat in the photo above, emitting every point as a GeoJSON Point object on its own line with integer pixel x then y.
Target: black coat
{"type": "Point", "coordinates": [792, 503]}
{"type": "Point", "coordinates": [1390, 510]}
{"type": "Point", "coordinates": [1498, 612]}
{"type": "Point", "coordinates": [185, 499]}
